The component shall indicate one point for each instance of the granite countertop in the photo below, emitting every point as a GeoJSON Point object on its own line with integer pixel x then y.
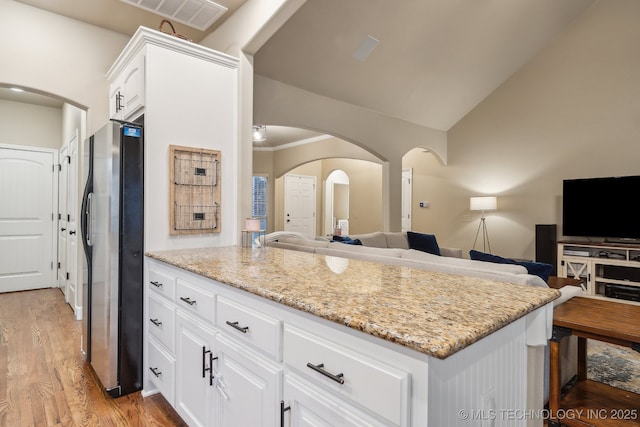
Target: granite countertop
{"type": "Point", "coordinates": [434, 313]}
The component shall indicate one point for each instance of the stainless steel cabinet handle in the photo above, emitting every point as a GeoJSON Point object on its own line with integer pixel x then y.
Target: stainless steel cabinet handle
{"type": "Point", "coordinates": [188, 300]}
{"type": "Point", "coordinates": [234, 325]}
{"type": "Point", "coordinates": [339, 378]}
{"type": "Point", "coordinates": [156, 322]}
{"type": "Point", "coordinates": [156, 284]}
{"type": "Point", "coordinates": [156, 371]}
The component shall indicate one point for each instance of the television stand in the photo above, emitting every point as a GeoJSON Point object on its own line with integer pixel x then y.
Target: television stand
{"type": "Point", "coordinates": [619, 241]}
{"type": "Point", "coordinates": [609, 271]}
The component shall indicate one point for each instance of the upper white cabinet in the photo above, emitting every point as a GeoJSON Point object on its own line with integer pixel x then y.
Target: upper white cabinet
{"type": "Point", "coordinates": [126, 94]}
{"type": "Point", "coordinates": [184, 94]}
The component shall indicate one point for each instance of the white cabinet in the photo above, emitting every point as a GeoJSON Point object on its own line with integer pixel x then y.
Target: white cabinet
{"type": "Point", "coordinates": [348, 374]}
{"type": "Point", "coordinates": [126, 92]}
{"type": "Point", "coordinates": [273, 364]}
{"type": "Point", "coordinates": [180, 353]}
{"type": "Point", "coordinates": [305, 405]}
{"type": "Point", "coordinates": [247, 386]}
{"type": "Point", "coordinates": [194, 377]}
{"type": "Point", "coordinates": [188, 95]}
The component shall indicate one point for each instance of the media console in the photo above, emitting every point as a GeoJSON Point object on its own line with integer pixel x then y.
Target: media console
{"type": "Point", "coordinates": [607, 270]}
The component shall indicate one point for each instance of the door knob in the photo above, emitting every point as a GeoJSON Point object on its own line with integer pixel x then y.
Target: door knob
{"type": "Point", "coordinates": [288, 220]}
{"type": "Point", "coordinates": [62, 229]}
{"type": "Point", "coordinates": [72, 232]}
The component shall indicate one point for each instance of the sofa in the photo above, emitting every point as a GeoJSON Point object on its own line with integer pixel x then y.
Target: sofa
{"type": "Point", "coordinates": [393, 248]}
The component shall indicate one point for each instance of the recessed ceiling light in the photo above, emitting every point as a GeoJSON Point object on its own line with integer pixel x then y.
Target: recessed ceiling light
{"type": "Point", "coordinates": [17, 89]}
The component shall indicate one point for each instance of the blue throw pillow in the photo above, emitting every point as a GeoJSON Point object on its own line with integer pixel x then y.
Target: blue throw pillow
{"type": "Point", "coordinates": [423, 242]}
{"type": "Point", "coordinates": [540, 269]}
{"type": "Point", "coordinates": [346, 240]}
{"type": "Point", "coordinates": [482, 256]}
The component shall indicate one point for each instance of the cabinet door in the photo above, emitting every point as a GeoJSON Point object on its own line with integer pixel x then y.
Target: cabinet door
{"type": "Point", "coordinates": [194, 394]}
{"type": "Point", "coordinates": [578, 268]}
{"type": "Point", "coordinates": [133, 84]}
{"type": "Point", "coordinates": [309, 406]}
{"type": "Point", "coordinates": [247, 385]}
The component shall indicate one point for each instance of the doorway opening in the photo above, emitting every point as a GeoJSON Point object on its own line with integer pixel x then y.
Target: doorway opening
{"type": "Point", "coordinates": [336, 214]}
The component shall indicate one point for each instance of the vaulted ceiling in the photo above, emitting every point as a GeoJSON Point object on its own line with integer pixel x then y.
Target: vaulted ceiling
{"type": "Point", "coordinates": [428, 62]}
{"type": "Point", "coordinates": [434, 61]}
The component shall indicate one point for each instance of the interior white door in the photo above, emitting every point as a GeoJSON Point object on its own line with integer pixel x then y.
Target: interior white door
{"type": "Point", "coordinates": [300, 204]}
{"type": "Point", "coordinates": [27, 226]}
{"type": "Point", "coordinates": [73, 298]}
{"type": "Point", "coordinates": [62, 221]}
{"type": "Point", "coordinates": [407, 185]}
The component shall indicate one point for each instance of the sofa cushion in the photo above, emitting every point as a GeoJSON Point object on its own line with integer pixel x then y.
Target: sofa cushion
{"type": "Point", "coordinates": [397, 240]}
{"type": "Point", "coordinates": [539, 269]}
{"type": "Point", "coordinates": [464, 263]}
{"type": "Point", "coordinates": [423, 242]}
{"type": "Point", "coordinates": [375, 239]}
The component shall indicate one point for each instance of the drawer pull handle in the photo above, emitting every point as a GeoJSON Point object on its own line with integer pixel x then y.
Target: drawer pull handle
{"type": "Point", "coordinates": [339, 378]}
{"type": "Point", "coordinates": [156, 322]}
{"type": "Point", "coordinates": [188, 300]}
{"type": "Point", "coordinates": [156, 372]}
{"type": "Point", "coordinates": [234, 325]}
{"type": "Point", "coordinates": [156, 284]}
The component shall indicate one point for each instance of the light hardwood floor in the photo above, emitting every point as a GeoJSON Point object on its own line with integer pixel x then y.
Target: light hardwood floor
{"type": "Point", "coordinates": [43, 378]}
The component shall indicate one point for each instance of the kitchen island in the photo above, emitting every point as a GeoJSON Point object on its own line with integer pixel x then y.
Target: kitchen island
{"type": "Point", "coordinates": [344, 338]}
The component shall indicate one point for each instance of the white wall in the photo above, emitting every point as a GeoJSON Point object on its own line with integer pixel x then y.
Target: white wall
{"type": "Point", "coordinates": [58, 56]}
{"type": "Point", "coordinates": [28, 124]}
{"type": "Point", "coordinates": [189, 102]}
{"type": "Point", "coordinates": [572, 111]}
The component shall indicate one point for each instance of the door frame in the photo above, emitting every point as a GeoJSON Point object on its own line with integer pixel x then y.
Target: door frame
{"type": "Point", "coordinates": [407, 204]}
{"type": "Point", "coordinates": [54, 203]}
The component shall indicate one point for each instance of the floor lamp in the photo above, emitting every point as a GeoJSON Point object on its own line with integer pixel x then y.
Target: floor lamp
{"type": "Point", "coordinates": [486, 203]}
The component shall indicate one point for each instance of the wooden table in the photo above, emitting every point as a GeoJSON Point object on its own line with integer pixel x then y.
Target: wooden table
{"type": "Point", "coordinates": [589, 403]}
{"type": "Point", "coordinates": [556, 282]}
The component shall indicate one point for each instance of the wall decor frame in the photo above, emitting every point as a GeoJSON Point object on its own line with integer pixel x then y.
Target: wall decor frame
{"type": "Point", "coordinates": [195, 190]}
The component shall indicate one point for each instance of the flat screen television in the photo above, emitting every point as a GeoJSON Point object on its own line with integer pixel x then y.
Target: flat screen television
{"type": "Point", "coordinates": [601, 207]}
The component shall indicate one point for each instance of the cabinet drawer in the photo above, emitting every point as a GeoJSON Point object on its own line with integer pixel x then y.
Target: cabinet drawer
{"type": "Point", "coordinates": [196, 300]}
{"type": "Point", "coordinates": [378, 387]}
{"type": "Point", "coordinates": [250, 326]}
{"type": "Point", "coordinates": [161, 371]}
{"type": "Point", "coordinates": [162, 324]}
{"type": "Point", "coordinates": [162, 283]}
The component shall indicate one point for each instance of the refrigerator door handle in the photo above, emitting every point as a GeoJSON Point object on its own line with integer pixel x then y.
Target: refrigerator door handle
{"type": "Point", "coordinates": [89, 229]}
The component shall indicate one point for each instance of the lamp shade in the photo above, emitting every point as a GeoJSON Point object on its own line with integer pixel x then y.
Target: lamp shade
{"type": "Point", "coordinates": [252, 224]}
{"type": "Point", "coordinates": [485, 203]}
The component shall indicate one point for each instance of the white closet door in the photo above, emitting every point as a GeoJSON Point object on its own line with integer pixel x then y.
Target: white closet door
{"type": "Point", "coordinates": [26, 219]}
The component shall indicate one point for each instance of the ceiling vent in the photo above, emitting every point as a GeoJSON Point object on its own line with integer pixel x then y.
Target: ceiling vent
{"type": "Point", "coordinates": [199, 14]}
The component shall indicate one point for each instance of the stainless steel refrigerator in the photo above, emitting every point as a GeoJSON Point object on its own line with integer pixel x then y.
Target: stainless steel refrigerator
{"type": "Point", "coordinates": [112, 222]}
